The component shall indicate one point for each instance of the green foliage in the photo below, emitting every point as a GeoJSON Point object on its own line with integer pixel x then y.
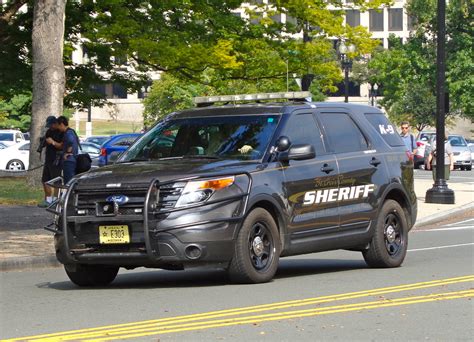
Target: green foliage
{"type": "Point", "coordinates": [408, 72]}
{"type": "Point", "coordinates": [167, 95]}
{"type": "Point", "coordinates": [16, 112]}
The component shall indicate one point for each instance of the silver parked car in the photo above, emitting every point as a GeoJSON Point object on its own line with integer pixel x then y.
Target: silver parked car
{"type": "Point", "coordinates": [461, 151]}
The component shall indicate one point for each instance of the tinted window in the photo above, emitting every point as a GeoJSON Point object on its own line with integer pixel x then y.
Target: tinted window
{"type": "Point", "coordinates": [385, 128]}
{"type": "Point", "coordinates": [6, 136]}
{"type": "Point", "coordinates": [395, 19]}
{"type": "Point", "coordinates": [353, 18]}
{"type": "Point", "coordinates": [125, 141]}
{"type": "Point", "coordinates": [25, 147]}
{"type": "Point", "coordinates": [376, 20]}
{"type": "Point", "coordinates": [342, 133]}
{"type": "Point", "coordinates": [302, 129]}
{"type": "Point", "coordinates": [236, 137]}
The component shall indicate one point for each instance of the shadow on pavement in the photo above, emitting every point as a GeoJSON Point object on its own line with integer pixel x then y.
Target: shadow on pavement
{"type": "Point", "coordinates": [207, 278]}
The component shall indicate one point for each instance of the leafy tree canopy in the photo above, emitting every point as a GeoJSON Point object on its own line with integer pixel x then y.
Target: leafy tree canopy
{"type": "Point", "coordinates": [408, 71]}
{"type": "Point", "coordinates": [200, 41]}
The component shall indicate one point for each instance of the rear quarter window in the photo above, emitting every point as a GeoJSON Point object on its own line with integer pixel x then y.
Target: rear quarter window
{"type": "Point", "coordinates": [385, 128]}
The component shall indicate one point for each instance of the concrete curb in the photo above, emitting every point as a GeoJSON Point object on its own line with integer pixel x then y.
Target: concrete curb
{"type": "Point", "coordinates": [442, 215]}
{"type": "Point", "coordinates": [29, 262]}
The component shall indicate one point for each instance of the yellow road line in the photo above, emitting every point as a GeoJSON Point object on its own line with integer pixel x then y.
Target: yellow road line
{"type": "Point", "coordinates": [289, 315]}
{"type": "Point", "coordinates": [90, 332]}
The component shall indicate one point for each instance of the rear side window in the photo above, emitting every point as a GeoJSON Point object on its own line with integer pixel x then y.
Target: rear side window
{"type": "Point", "coordinates": [125, 141]}
{"type": "Point", "coordinates": [342, 133]}
{"type": "Point", "coordinates": [385, 128]}
{"type": "Point", "coordinates": [6, 136]}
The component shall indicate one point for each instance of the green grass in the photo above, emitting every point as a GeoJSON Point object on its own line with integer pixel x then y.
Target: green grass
{"type": "Point", "coordinates": [14, 190]}
{"type": "Point", "coordinates": [107, 127]}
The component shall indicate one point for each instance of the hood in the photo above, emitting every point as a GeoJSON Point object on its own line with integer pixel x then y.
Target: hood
{"type": "Point", "coordinates": [165, 170]}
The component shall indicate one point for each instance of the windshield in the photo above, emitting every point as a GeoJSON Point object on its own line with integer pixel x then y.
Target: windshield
{"type": "Point", "coordinates": [237, 137]}
{"type": "Point", "coordinates": [6, 136]}
{"type": "Point", "coordinates": [457, 140]}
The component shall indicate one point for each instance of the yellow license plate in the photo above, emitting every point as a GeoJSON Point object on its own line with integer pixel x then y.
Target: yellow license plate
{"type": "Point", "coordinates": [113, 234]}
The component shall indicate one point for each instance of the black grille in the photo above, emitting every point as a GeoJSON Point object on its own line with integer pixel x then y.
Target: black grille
{"type": "Point", "coordinates": [169, 195]}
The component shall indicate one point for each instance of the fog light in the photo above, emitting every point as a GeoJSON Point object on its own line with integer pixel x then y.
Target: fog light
{"type": "Point", "coordinates": [81, 212]}
{"type": "Point", "coordinates": [138, 211]}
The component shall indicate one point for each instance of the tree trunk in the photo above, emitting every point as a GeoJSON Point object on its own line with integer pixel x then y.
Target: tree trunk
{"type": "Point", "coordinates": [48, 74]}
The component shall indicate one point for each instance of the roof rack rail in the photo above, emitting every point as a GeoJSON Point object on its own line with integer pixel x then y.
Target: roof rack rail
{"type": "Point", "coordinates": [203, 101]}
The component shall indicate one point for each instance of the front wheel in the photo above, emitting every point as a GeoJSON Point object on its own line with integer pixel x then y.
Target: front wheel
{"type": "Point", "coordinates": [92, 275]}
{"type": "Point", "coordinates": [15, 165]}
{"type": "Point", "coordinates": [390, 240]}
{"type": "Point", "coordinates": [257, 249]}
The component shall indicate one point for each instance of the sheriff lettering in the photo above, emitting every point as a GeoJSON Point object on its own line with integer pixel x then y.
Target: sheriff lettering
{"type": "Point", "coordinates": [338, 194]}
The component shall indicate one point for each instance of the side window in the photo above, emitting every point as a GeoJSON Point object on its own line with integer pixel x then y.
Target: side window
{"type": "Point", "coordinates": [384, 128]}
{"type": "Point", "coordinates": [303, 129]}
{"type": "Point", "coordinates": [125, 141]}
{"type": "Point", "coordinates": [343, 134]}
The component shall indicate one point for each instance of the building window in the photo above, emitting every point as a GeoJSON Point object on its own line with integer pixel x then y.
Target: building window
{"type": "Point", "coordinates": [376, 20]}
{"type": "Point", "coordinates": [353, 18]}
{"type": "Point", "coordinates": [411, 22]}
{"type": "Point", "coordinates": [395, 19]}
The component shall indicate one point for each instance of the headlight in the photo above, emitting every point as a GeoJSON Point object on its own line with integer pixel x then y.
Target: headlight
{"type": "Point", "coordinates": [200, 191]}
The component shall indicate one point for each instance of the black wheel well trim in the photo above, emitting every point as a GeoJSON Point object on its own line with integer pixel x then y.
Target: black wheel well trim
{"type": "Point", "coordinates": [395, 192]}
{"type": "Point", "coordinates": [271, 205]}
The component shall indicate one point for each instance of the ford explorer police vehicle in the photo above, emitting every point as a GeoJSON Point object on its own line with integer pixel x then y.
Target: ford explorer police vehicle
{"type": "Point", "coordinates": [237, 186]}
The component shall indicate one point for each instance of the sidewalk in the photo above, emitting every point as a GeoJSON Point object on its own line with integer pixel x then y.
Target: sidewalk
{"type": "Point", "coordinates": [24, 244]}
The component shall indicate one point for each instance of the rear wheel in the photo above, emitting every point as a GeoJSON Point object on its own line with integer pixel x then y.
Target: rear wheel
{"type": "Point", "coordinates": [15, 165]}
{"type": "Point", "coordinates": [390, 241]}
{"type": "Point", "coordinates": [257, 249]}
{"type": "Point", "coordinates": [92, 275]}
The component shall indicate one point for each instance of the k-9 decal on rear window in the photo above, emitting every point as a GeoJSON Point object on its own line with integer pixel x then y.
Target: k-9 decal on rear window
{"type": "Point", "coordinates": [386, 129]}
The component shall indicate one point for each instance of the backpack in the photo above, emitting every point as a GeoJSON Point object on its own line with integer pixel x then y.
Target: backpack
{"type": "Point", "coordinates": [83, 160]}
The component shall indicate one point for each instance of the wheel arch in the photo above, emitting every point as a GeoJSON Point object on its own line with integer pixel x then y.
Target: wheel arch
{"type": "Point", "coordinates": [271, 205]}
{"type": "Point", "coordinates": [396, 193]}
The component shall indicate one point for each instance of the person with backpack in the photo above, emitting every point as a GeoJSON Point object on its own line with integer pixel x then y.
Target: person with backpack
{"type": "Point", "coordinates": [70, 149]}
{"type": "Point", "coordinates": [408, 138]}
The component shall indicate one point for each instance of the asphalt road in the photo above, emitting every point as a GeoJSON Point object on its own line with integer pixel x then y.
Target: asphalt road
{"type": "Point", "coordinates": [325, 296]}
{"type": "Point", "coordinates": [456, 176]}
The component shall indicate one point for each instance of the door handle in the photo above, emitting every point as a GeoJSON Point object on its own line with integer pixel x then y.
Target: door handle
{"type": "Point", "coordinates": [375, 162]}
{"type": "Point", "coordinates": [326, 168]}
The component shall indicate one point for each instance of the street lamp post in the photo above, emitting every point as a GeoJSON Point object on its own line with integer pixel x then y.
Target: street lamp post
{"type": "Point", "coordinates": [440, 193]}
{"type": "Point", "coordinates": [373, 93]}
{"type": "Point", "coordinates": [346, 64]}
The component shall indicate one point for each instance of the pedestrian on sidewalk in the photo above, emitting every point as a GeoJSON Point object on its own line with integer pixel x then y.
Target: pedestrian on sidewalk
{"type": "Point", "coordinates": [408, 138]}
{"type": "Point", "coordinates": [448, 158]}
{"type": "Point", "coordinates": [53, 144]}
{"type": "Point", "coordinates": [70, 149]}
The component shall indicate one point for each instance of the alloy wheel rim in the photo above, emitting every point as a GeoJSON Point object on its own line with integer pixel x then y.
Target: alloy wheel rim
{"type": "Point", "coordinates": [260, 246]}
{"type": "Point", "coordinates": [393, 235]}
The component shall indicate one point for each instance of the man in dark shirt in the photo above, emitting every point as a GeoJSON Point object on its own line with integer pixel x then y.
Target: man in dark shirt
{"type": "Point", "coordinates": [70, 149]}
{"type": "Point", "coordinates": [51, 167]}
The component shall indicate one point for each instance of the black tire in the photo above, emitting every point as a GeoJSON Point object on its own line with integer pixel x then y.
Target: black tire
{"type": "Point", "coordinates": [469, 167]}
{"type": "Point", "coordinates": [15, 165]}
{"type": "Point", "coordinates": [92, 275]}
{"type": "Point", "coordinates": [257, 249]}
{"type": "Point", "coordinates": [390, 241]}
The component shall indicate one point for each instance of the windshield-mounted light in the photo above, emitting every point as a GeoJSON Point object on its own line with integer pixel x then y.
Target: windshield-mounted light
{"type": "Point", "coordinates": [200, 191]}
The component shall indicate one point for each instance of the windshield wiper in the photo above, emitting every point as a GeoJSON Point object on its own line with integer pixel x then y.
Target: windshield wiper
{"type": "Point", "coordinates": [200, 156]}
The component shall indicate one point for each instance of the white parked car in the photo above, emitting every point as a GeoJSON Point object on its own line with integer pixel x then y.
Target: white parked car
{"type": "Point", "coordinates": [11, 137]}
{"type": "Point", "coordinates": [16, 157]}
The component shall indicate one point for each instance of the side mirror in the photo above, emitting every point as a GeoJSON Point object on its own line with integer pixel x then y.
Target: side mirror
{"type": "Point", "coordinates": [298, 152]}
{"type": "Point", "coordinates": [283, 143]}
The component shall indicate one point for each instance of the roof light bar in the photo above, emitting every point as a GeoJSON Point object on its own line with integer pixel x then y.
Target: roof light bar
{"type": "Point", "coordinates": [294, 95]}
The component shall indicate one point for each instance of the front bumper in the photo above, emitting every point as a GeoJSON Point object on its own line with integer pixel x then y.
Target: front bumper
{"type": "Point", "coordinates": [201, 235]}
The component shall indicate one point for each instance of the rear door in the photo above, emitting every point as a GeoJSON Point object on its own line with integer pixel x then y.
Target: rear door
{"type": "Point", "coordinates": [308, 183]}
{"type": "Point", "coordinates": [361, 170]}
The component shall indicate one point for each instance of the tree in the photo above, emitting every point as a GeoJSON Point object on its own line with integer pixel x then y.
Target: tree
{"type": "Point", "coordinates": [408, 73]}
{"type": "Point", "coordinates": [48, 72]}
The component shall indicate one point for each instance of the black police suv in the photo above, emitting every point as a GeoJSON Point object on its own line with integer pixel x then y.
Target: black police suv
{"type": "Point", "coordinates": [237, 186]}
